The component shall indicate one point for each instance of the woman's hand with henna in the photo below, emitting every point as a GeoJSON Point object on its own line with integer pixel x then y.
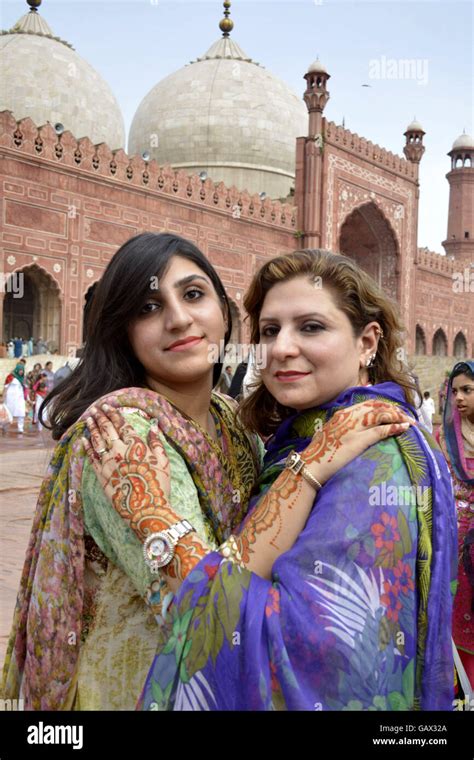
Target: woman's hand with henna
{"type": "Point", "coordinates": [351, 431]}
{"type": "Point", "coordinates": [134, 475]}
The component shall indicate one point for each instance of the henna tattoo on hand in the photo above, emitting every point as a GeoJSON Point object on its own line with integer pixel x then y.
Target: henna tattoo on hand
{"type": "Point", "coordinates": [286, 488]}
{"type": "Point", "coordinates": [135, 490]}
{"type": "Point", "coordinates": [329, 439]}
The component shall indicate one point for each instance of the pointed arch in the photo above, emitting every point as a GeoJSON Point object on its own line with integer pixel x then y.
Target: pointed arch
{"type": "Point", "coordinates": [420, 341]}
{"type": "Point", "coordinates": [37, 313]}
{"type": "Point", "coordinates": [460, 346]}
{"type": "Point", "coordinates": [368, 237]}
{"type": "Point", "coordinates": [440, 343]}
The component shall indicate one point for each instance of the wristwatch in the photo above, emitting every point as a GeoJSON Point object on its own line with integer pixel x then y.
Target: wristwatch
{"type": "Point", "coordinates": [159, 548]}
{"type": "Point", "coordinates": [296, 465]}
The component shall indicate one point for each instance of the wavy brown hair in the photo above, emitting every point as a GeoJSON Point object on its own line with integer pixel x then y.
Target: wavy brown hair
{"type": "Point", "coordinates": [361, 300]}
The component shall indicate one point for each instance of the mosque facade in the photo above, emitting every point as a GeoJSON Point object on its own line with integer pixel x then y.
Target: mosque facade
{"type": "Point", "coordinates": [71, 194]}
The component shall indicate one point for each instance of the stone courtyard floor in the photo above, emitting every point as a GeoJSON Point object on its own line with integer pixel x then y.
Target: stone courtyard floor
{"type": "Point", "coordinates": [23, 464]}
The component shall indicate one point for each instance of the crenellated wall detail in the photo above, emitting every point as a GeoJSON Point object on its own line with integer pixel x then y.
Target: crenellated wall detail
{"type": "Point", "coordinates": [439, 263]}
{"type": "Point", "coordinates": [133, 171]}
{"type": "Point", "coordinates": [359, 146]}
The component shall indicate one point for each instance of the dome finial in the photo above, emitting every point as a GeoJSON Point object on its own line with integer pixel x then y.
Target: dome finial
{"type": "Point", "coordinates": [34, 5]}
{"type": "Point", "coordinates": [226, 25]}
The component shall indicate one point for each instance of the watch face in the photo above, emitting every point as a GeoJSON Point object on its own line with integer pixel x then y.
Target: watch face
{"type": "Point", "coordinates": [158, 551]}
{"type": "Point", "coordinates": [157, 548]}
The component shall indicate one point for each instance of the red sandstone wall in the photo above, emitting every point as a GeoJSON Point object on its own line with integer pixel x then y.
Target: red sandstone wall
{"type": "Point", "coordinates": [439, 301]}
{"type": "Point", "coordinates": [67, 205]}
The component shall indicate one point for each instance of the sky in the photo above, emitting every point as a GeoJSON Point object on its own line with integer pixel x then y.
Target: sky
{"type": "Point", "coordinates": [136, 43]}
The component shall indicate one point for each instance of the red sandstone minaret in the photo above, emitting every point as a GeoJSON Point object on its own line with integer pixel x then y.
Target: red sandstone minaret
{"type": "Point", "coordinates": [414, 147]}
{"type": "Point", "coordinates": [309, 157]}
{"type": "Point", "coordinates": [413, 150]}
{"type": "Point", "coordinates": [460, 238]}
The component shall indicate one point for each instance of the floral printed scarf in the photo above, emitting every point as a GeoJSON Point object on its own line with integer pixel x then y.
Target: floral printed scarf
{"type": "Point", "coordinates": [43, 649]}
{"type": "Point", "coordinates": [357, 615]}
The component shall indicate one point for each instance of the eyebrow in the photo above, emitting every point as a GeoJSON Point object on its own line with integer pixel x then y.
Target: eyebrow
{"type": "Point", "coordinates": [189, 279]}
{"type": "Point", "coordinates": [300, 316]}
{"type": "Point", "coordinates": [185, 281]}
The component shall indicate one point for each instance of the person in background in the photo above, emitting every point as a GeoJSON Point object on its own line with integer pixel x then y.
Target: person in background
{"type": "Point", "coordinates": [48, 370]}
{"type": "Point", "coordinates": [427, 411]}
{"type": "Point", "coordinates": [5, 416]}
{"type": "Point", "coordinates": [41, 348]}
{"type": "Point", "coordinates": [225, 381]}
{"type": "Point", "coordinates": [443, 389]}
{"type": "Point", "coordinates": [33, 375]}
{"type": "Point", "coordinates": [62, 373]}
{"type": "Point", "coordinates": [15, 396]}
{"type": "Point", "coordinates": [31, 380]}
{"type": "Point", "coordinates": [30, 347]}
{"type": "Point", "coordinates": [10, 350]}
{"type": "Point", "coordinates": [236, 385]}
{"type": "Point", "coordinates": [40, 390]}
{"type": "Point", "coordinates": [18, 347]}
{"type": "Point", "coordinates": [456, 438]}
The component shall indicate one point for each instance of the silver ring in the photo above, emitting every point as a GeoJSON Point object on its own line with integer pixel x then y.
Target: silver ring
{"type": "Point", "coordinates": [101, 452]}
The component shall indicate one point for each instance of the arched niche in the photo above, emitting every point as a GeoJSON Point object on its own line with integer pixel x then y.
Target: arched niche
{"type": "Point", "coordinates": [368, 237]}
{"type": "Point", "coordinates": [32, 307]}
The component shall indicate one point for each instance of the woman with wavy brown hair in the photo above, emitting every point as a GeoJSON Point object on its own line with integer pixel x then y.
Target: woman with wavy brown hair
{"type": "Point", "coordinates": [355, 614]}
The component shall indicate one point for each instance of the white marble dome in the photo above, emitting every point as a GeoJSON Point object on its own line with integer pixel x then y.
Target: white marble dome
{"type": "Point", "coordinates": [463, 141]}
{"type": "Point", "coordinates": [227, 115]}
{"type": "Point", "coordinates": [415, 126]}
{"type": "Point", "coordinates": [44, 78]}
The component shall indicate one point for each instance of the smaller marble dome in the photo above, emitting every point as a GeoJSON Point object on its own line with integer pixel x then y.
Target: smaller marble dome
{"type": "Point", "coordinates": [415, 126]}
{"type": "Point", "coordinates": [463, 142]}
{"type": "Point", "coordinates": [44, 78]}
{"type": "Point", "coordinates": [317, 68]}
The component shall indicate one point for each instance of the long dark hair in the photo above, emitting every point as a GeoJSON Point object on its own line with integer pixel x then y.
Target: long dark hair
{"type": "Point", "coordinates": [108, 362]}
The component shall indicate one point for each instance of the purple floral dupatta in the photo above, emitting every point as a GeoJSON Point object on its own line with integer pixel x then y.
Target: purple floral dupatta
{"type": "Point", "coordinates": [357, 615]}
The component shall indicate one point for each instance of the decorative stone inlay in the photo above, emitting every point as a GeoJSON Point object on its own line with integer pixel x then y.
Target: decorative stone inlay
{"type": "Point", "coordinates": [11, 260]}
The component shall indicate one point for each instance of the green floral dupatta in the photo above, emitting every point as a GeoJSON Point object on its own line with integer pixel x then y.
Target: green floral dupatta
{"type": "Point", "coordinates": [44, 645]}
